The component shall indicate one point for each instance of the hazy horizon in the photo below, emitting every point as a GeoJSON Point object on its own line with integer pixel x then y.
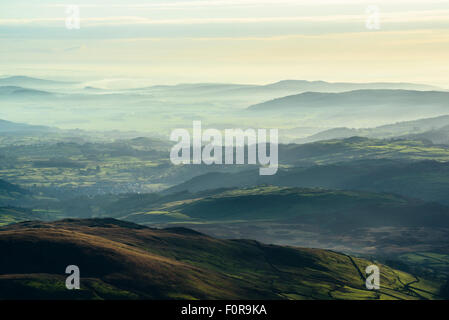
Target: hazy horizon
{"type": "Point", "coordinates": [138, 82]}
{"type": "Point", "coordinates": [238, 41]}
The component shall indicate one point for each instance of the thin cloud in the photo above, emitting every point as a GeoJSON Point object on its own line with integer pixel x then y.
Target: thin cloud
{"type": "Point", "coordinates": [388, 17]}
{"type": "Point", "coordinates": [232, 3]}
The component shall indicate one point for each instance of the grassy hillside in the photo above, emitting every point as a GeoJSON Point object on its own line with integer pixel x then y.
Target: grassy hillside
{"type": "Point", "coordinates": [127, 261]}
{"type": "Point", "coordinates": [358, 148]}
{"type": "Point", "coordinates": [10, 215]}
{"type": "Point", "coordinates": [11, 197]}
{"type": "Point", "coordinates": [332, 209]}
{"type": "Point", "coordinates": [347, 221]}
{"type": "Point", "coordinates": [12, 194]}
{"type": "Point", "coordinates": [431, 264]}
{"type": "Point", "coordinates": [10, 190]}
{"type": "Point", "coordinates": [426, 180]}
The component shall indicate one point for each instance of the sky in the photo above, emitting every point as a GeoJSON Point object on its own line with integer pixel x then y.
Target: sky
{"type": "Point", "coordinates": [240, 41]}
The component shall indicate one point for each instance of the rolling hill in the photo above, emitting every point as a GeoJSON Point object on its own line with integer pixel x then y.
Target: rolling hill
{"type": "Point", "coordinates": [346, 221]}
{"type": "Point", "coordinates": [9, 215]}
{"type": "Point", "coordinates": [121, 260]}
{"type": "Point", "coordinates": [280, 88]}
{"type": "Point", "coordinates": [11, 193]}
{"type": "Point", "coordinates": [358, 148]}
{"type": "Point", "coordinates": [324, 86]}
{"type": "Point", "coordinates": [252, 94]}
{"type": "Point", "coordinates": [14, 204]}
{"type": "Point", "coordinates": [330, 209]}
{"type": "Point", "coordinates": [7, 188]}
{"type": "Point", "coordinates": [25, 81]}
{"type": "Point", "coordinates": [356, 99]}
{"type": "Point", "coordinates": [437, 135]}
{"type": "Point", "coordinates": [426, 180]}
{"type": "Point", "coordinates": [431, 129]}
{"type": "Point", "coordinates": [20, 92]}
{"type": "Point", "coordinates": [14, 127]}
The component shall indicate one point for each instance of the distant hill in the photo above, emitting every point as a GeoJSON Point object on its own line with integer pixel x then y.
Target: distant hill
{"type": "Point", "coordinates": [330, 209]}
{"type": "Point", "coordinates": [14, 127]}
{"type": "Point", "coordinates": [24, 81]}
{"type": "Point", "coordinates": [274, 90]}
{"type": "Point", "coordinates": [437, 136]}
{"type": "Point", "coordinates": [196, 88]}
{"type": "Point", "coordinates": [9, 215]}
{"type": "Point", "coordinates": [93, 89]}
{"type": "Point", "coordinates": [120, 260]}
{"type": "Point", "coordinates": [359, 148]}
{"type": "Point", "coordinates": [300, 86]}
{"type": "Point", "coordinates": [432, 129]}
{"type": "Point", "coordinates": [15, 91]}
{"type": "Point", "coordinates": [355, 99]}
{"type": "Point", "coordinates": [426, 180]}
{"type": "Point", "coordinates": [334, 133]}
{"type": "Point", "coordinates": [13, 195]}
{"type": "Point", "coordinates": [359, 222]}
{"type": "Point", "coordinates": [6, 187]}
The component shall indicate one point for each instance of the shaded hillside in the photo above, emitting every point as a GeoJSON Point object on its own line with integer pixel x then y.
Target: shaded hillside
{"type": "Point", "coordinates": [357, 148]}
{"type": "Point", "coordinates": [10, 215]}
{"type": "Point", "coordinates": [437, 136]}
{"type": "Point", "coordinates": [12, 197]}
{"type": "Point", "coordinates": [329, 209]}
{"type": "Point", "coordinates": [7, 188]}
{"type": "Point", "coordinates": [13, 127]}
{"type": "Point", "coordinates": [426, 180]}
{"type": "Point", "coordinates": [348, 221]}
{"type": "Point", "coordinates": [127, 261]}
{"type": "Point", "coordinates": [12, 194]}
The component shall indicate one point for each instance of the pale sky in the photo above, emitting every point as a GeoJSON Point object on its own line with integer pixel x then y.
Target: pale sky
{"type": "Point", "coordinates": [241, 41]}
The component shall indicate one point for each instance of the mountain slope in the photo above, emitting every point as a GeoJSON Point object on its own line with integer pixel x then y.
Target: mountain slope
{"type": "Point", "coordinates": [7, 188]}
{"type": "Point", "coordinates": [433, 129]}
{"type": "Point", "coordinates": [12, 200]}
{"type": "Point", "coordinates": [9, 215]}
{"type": "Point", "coordinates": [437, 135]}
{"type": "Point", "coordinates": [24, 81]}
{"type": "Point", "coordinates": [11, 193]}
{"type": "Point", "coordinates": [358, 148]}
{"type": "Point", "coordinates": [289, 87]}
{"type": "Point", "coordinates": [426, 180]}
{"type": "Point", "coordinates": [20, 92]}
{"type": "Point", "coordinates": [14, 127]}
{"type": "Point", "coordinates": [324, 86]}
{"type": "Point", "coordinates": [347, 221]}
{"type": "Point", "coordinates": [330, 209]}
{"type": "Point", "coordinates": [258, 93]}
{"type": "Point", "coordinates": [128, 261]}
{"type": "Point", "coordinates": [354, 99]}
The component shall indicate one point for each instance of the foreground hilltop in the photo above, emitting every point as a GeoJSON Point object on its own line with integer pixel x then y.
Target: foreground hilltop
{"type": "Point", "coordinates": [123, 260]}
